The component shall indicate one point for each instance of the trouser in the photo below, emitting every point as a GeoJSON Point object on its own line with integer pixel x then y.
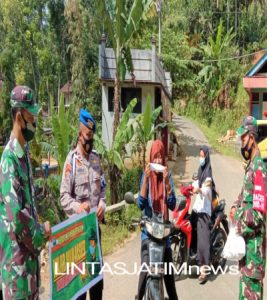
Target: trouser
{"type": "Point", "coordinates": [96, 292]}
{"type": "Point", "coordinates": [203, 239]}
{"type": "Point", "coordinates": [250, 289]}
{"type": "Point", "coordinates": [7, 296]}
{"type": "Point", "coordinates": [193, 221]}
{"type": "Point", "coordinates": [168, 278]}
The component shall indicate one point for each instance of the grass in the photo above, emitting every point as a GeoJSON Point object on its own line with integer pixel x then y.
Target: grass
{"type": "Point", "coordinates": [212, 136]}
{"type": "Point", "coordinates": [117, 228]}
{"type": "Point", "coordinates": [114, 237]}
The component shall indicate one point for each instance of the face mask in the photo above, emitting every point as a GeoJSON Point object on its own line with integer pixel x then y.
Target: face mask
{"type": "Point", "coordinates": [87, 145]}
{"type": "Point", "coordinates": [92, 250]}
{"type": "Point", "coordinates": [246, 153]}
{"type": "Point", "coordinates": [29, 130]}
{"type": "Point", "coordinates": [202, 161]}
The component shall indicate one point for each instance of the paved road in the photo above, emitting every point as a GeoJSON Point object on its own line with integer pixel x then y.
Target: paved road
{"type": "Point", "coordinates": [228, 175]}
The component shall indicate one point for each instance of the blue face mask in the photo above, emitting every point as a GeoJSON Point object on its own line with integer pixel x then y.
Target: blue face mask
{"type": "Point", "coordinates": [202, 161]}
{"type": "Point", "coordinates": [92, 250]}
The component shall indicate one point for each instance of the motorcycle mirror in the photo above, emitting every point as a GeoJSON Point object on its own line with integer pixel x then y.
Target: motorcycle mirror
{"type": "Point", "coordinates": [129, 198]}
{"type": "Point", "coordinates": [195, 176]}
{"type": "Point", "coordinates": [180, 202]}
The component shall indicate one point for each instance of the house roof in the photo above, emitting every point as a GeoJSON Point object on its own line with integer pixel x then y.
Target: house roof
{"type": "Point", "coordinates": [258, 66]}
{"type": "Point", "coordinates": [147, 68]}
{"type": "Point", "coordinates": [67, 88]}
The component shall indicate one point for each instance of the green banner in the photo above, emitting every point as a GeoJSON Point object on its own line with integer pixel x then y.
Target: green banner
{"type": "Point", "coordinates": [75, 256]}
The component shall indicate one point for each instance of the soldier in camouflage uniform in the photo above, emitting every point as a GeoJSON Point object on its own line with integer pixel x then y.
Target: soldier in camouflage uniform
{"type": "Point", "coordinates": [83, 184]}
{"type": "Point", "coordinates": [250, 223]}
{"type": "Point", "coordinates": [22, 237]}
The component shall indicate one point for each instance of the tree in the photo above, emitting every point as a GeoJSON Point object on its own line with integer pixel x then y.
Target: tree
{"type": "Point", "coordinates": [115, 155]}
{"type": "Point", "coordinates": [122, 20]}
{"type": "Point", "coordinates": [214, 77]}
{"type": "Point", "coordinates": [146, 129]}
{"type": "Point", "coordinates": [62, 134]}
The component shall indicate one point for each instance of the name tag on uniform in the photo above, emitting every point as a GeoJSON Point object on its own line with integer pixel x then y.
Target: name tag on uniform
{"type": "Point", "coordinates": [80, 171]}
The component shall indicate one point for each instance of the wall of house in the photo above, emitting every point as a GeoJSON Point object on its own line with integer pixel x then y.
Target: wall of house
{"type": "Point", "coordinates": [107, 117]}
{"type": "Point", "coordinates": [258, 101]}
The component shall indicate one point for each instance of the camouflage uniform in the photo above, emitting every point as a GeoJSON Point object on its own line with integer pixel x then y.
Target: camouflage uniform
{"type": "Point", "coordinates": [82, 180]}
{"type": "Point", "coordinates": [251, 224]}
{"type": "Point", "coordinates": [22, 237]}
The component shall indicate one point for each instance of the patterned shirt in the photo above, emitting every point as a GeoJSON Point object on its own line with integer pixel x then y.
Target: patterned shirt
{"type": "Point", "coordinates": [22, 237]}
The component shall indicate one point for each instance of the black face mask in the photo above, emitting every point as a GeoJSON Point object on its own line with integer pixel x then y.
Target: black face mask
{"type": "Point", "coordinates": [246, 153]}
{"type": "Point", "coordinates": [87, 145]}
{"type": "Point", "coordinates": [29, 130]}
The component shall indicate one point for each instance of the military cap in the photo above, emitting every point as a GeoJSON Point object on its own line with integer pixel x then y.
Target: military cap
{"type": "Point", "coordinates": [22, 97]}
{"type": "Point", "coordinates": [248, 125]}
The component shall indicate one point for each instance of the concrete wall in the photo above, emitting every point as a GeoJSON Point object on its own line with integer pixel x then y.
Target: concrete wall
{"type": "Point", "coordinates": [107, 117]}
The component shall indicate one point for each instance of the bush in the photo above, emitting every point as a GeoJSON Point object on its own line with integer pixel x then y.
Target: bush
{"type": "Point", "coordinates": [48, 205]}
{"type": "Point", "coordinates": [130, 181]}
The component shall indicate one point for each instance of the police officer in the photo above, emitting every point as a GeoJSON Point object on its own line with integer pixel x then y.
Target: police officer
{"type": "Point", "coordinates": [250, 223]}
{"type": "Point", "coordinates": [22, 236]}
{"type": "Point", "coordinates": [83, 184]}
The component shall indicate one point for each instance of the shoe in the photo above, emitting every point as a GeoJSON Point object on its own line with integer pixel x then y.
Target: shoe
{"type": "Point", "coordinates": [202, 279]}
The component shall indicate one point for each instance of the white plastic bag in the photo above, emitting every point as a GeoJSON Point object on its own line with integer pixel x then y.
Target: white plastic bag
{"type": "Point", "coordinates": [235, 246]}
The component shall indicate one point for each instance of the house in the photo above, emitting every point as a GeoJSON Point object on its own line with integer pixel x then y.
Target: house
{"type": "Point", "coordinates": [255, 83]}
{"type": "Point", "coordinates": [150, 79]}
{"type": "Point", "coordinates": [66, 90]}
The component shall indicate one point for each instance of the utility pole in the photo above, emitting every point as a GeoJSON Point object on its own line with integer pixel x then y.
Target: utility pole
{"type": "Point", "coordinates": [158, 8]}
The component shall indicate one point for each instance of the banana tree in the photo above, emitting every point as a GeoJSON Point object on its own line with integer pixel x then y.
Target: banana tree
{"type": "Point", "coordinates": [146, 129]}
{"type": "Point", "coordinates": [214, 75]}
{"type": "Point", "coordinates": [62, 132]}
{"type": "Point", "coordinates": [115, 155]}
{"type": "Point", "coordinates": [122, 19]}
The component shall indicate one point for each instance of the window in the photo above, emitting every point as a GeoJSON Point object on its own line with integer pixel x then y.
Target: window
{"type": "Point", "coordinates": [255, 97]}
{"type": "Point", "coordinates": [157, 97]}
{"type": "Point", "coordinates": [110, 98]}
{"type": "Point", "coordinates": [264, 97]}
{"type": "Point", "coordinates": [127, 94]}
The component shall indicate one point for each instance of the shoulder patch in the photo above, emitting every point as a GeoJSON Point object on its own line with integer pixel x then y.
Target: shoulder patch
{"type": "Point", "coordinates": [68, 170]}
{"type": "Point", "coordinates": [95, 152]}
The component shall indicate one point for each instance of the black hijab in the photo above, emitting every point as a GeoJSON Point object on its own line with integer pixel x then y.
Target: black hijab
{"type": "Point", "coordinates": [205, 171]}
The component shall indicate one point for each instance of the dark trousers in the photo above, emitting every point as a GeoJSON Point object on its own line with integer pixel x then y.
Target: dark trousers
{"type": "Point", "coordinates": [203, 239]}
{"type": "Point", "coordinates": [96, 292]}
{"type": "Point", "coordinates": [168, 278]}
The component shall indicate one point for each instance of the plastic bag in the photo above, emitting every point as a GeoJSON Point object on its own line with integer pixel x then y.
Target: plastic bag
{"type": "Point", "coordinates": [235, 246]}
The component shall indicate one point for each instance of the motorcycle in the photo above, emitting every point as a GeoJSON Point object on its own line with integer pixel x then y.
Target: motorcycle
{"type": "Point", "coordinates": [181, 245]}
{"type": "Point", "coordinates": [158, 232]}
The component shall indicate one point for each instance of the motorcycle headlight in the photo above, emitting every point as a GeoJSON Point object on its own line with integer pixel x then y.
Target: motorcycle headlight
{"type": "Point", "coordinates": [158, 231]}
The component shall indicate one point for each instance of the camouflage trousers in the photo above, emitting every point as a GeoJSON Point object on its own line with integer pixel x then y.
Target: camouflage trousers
{"type": "Point", "coordinates": [250, 289]}
{"type": "Point", "coordinates": [34, 296]}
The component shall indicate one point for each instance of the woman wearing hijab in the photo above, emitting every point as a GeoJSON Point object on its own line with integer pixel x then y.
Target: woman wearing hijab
{"type": "Point", "coordinates": [202, 211]}
{"type": "Point", "coordinates": [155, 196]}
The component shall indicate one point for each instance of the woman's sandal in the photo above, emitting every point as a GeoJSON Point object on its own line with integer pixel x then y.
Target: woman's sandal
{"type": "Point", "coordinates": [202, 278]}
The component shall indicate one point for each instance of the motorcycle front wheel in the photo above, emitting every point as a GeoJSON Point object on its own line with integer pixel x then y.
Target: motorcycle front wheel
{"type": "Point", "coordinates": [178, 247]}
{"type": "Point", "coordinates": [154, 289]}
{"type": "Point", "coordinates": [217, 248]}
